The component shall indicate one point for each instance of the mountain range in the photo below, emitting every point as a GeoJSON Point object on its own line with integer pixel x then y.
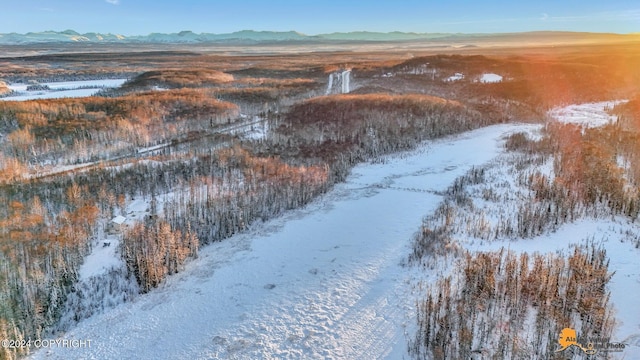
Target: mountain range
{"type": "Point", "coordinates": [251, 36]}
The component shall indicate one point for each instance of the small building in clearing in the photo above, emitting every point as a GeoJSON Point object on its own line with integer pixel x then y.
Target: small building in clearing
{"type": "Point", "coordinates": [116, 224]}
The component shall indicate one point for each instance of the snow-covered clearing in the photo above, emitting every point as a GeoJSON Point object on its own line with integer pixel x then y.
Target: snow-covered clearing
{"type": "Point", "coordinates": [339, 82]}
{"type": "Point", "coordinates": [152, 148]}
{"type": "Point", "coordinates": [617, 235]}
{"type": "Point", "coordinates": [346, 79]}
{"type": "Point", "coordinates": [104, 255]}
{"type": "Point", "coordinates": [62, 89]}
{"type": "Point", "coordinates": [490, 78]}
{"type": "Point", "coordinates": [103, 281]}
{"type": "Point", "coordinates": [255, 129]}
{"type": "Point", "coordinates": [587, 115]}
{"type": "Point", "coordinates": [329, 84]}
{"type": "Point", "coordinates": [324, 281]}
{"type": "Point", "coordinates": [258, 131]}
{"type": "Point", "coordinates": [102, 258]}
{"type": "Point", "coordinates": [455, 77]}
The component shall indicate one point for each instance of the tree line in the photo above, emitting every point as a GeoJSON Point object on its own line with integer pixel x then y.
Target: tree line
{"type": "Point", "coordinates": [503, 305]}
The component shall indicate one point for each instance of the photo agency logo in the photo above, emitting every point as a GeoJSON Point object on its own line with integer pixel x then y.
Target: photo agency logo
{"type": "Point", "coordinates": [589, 345]}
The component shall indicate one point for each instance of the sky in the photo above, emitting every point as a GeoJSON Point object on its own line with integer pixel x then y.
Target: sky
{"type": "Point", "coordinates": [141, 17]}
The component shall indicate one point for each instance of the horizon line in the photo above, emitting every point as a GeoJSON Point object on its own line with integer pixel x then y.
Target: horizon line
{"type": "Point", "coordinates": [325, 33]}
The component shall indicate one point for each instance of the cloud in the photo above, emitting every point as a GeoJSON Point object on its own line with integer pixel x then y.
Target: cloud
{"type": "Point", "coordinates": [544, 17]}
{"type": "Point", "coordinates": [113, 2]}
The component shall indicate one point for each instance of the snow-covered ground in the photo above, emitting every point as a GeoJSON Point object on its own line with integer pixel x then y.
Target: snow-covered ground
{"type": "Point", "coordinates": [497, 199]}
{"type": "Point", "coordinates": [613, 236]}
{"type": "Point", "coordinates": [346, 80]}
{"type": "Point", "coordinates": [255, 129]}
{"type": "Point", "coordinates": [490, 78]}
{"type": "Point", "coordinates": [62, 89]}
{"type": "Point", "coordinates": [617, 235]}
{"type": "Point", "coordinates": [103, 280]}
{"type": "Point", "coordinates": [258, 131]}
{"type": "Point", "coordinates": [104, 255]}
{"type": "Point", "coordinates": [152, 148]}
{"type": "Point", "coordinates": [339, 82]}
{"type": "Point", "coordinates": [329, 84]}
{"type": "Point", "coordinates": [455, 77]}
{"type": "Point", "coordinates": [324, 281]}
{"type": "Point", "coordinates": [587, 115]}
{"type": "Point", "coordinates": [484, 78]}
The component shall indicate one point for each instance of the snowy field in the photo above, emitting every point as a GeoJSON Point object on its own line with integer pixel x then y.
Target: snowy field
{"type": "Point", "coordinates": [63, 89]}
{"type": "Point", "coordinates": [587, 115]}
{"type": "Point", "coordinates": [490, 78]}
{"type": "Point", "coordinates": [455, 77]}
{"type": "Point", "coordinates": [484, 78]}
{"type": "Point", "coordinates": [322, 282]}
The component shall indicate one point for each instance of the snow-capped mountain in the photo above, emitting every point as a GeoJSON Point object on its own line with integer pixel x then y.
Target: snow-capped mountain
{"type": "Point", "coordinates": [252, 36]}
{"type": "Point", "coordinates": [57, 36]}
{"type": "Point", "coordinates": [181, 37]}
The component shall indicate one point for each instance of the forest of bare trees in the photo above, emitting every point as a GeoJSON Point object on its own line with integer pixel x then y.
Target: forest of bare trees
{"type": "Point", "coordinates": [501, 305]}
